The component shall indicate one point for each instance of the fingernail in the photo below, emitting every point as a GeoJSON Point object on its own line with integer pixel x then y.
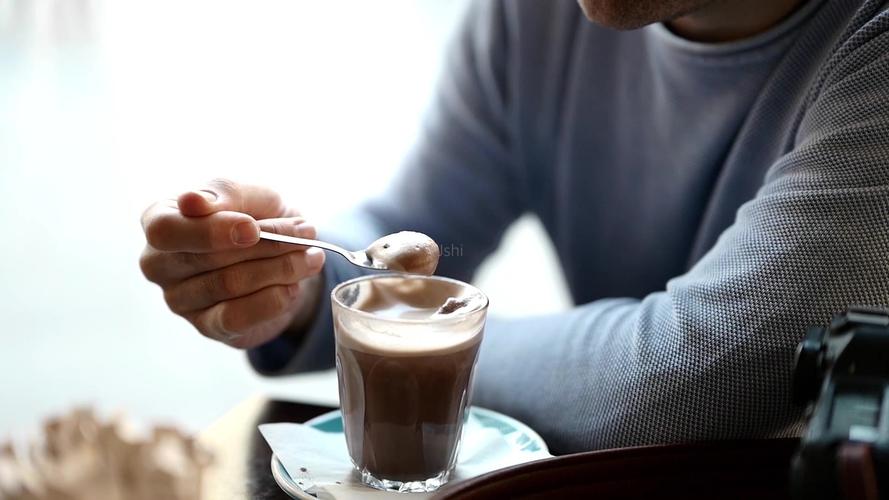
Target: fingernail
{"type": "Point", "coordinates": [244, 233]}
{"type": "Point", "coordinates": [305, 230]}
{"type": "Point", "coordinates": [314, 257]}
{"type": "Point", "coordinates": [208, 195]}
{"type": "Point", "coordinates": [228, 337]}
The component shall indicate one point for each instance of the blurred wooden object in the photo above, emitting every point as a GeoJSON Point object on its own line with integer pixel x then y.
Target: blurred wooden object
{"type": "Point", "coordinates": [83, 457]}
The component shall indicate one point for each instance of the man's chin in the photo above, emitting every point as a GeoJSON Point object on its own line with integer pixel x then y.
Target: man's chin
{"type": "Point", "coordinates": [629, 15]}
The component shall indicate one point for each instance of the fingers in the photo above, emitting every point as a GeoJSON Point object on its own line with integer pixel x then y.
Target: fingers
{"type": "Point", "coordinates": [166, 229]}
{"type": "Point", "coordinates": [239, 280]}
{"type": "Point", "coordinates": [226, 195]}
{"type": "Point", "coordinates": [252, 320]}
{"type": "Point", "coordinates": [204, 251]}
{"type": "Point", "coordinates": [166, 268]}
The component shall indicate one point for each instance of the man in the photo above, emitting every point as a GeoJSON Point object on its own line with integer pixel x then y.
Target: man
{"type": "Point", "coordinates": [713, 182]}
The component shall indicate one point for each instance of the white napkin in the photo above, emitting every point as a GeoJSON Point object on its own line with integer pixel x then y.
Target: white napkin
{"type": "Point", "coordinates": [319, 461]}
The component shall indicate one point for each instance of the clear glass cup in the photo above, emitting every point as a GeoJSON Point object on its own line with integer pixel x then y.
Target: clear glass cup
{"type": "Point", "coordinates": [405, 373]}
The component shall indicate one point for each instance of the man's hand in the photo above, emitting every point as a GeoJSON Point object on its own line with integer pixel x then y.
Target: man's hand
{"type": "Point", "coordinates": [203, 249]}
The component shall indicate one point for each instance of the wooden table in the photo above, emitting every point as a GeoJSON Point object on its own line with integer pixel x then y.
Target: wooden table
{"type": "Point", "coordinates": [722, 469]}
{"type": "Point", "coordinates": [241, 468]}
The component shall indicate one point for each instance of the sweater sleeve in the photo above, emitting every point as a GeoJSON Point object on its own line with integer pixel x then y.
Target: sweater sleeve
{"type": "Point", "coordinates": [711, 355]}
{"type": "Point", "coordinates": [460, 183]}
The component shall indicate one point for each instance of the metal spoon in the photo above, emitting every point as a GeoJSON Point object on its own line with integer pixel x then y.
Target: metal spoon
{"type": "Point", "coordinates": [359, 258]}
{"type": "Point", "coordinates": [406, 251]}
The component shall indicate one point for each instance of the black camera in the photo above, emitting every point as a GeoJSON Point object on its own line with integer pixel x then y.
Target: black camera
{"type": "Point", "coordinates": [842, 376]}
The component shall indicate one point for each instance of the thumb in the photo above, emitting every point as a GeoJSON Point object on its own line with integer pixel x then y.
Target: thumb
{"type": "Point", "coordinates": [223, 194]}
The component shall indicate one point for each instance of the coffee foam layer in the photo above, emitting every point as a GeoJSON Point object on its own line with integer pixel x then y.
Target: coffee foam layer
{"type": "Point", "coordinates": [408, 317]}
{"type": "Point", "coordinates": [406, 338]}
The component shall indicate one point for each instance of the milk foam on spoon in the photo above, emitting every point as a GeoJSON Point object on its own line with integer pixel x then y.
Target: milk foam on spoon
{"type": "Point", "coordinates": [405, 251]}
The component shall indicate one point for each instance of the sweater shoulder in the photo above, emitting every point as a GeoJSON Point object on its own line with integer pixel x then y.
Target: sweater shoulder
{"type": "Point", "coordinates": [863, 41]}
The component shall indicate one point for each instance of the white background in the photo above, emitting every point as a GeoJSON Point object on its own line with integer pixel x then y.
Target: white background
{"type": "Point", "coordinates": [107, 106]}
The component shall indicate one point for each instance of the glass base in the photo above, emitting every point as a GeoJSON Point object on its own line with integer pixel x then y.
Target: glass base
{"type": "Point", "coordinates": [426, 485]}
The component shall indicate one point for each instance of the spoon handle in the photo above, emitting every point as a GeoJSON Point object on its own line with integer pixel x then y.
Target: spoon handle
{"type": "Point", "coordinates": [303, 241]}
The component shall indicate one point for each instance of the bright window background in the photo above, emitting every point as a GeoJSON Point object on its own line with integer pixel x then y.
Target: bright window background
{"type": "Point", "coordinates": [107, 106]}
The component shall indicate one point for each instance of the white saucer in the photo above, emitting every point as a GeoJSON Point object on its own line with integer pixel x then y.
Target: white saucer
{"type": "Point", "coordinates": [519, 436]}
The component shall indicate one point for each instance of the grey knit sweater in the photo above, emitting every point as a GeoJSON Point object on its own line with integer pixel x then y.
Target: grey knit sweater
{"type": "Point", "coordinates": [707, 203]}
